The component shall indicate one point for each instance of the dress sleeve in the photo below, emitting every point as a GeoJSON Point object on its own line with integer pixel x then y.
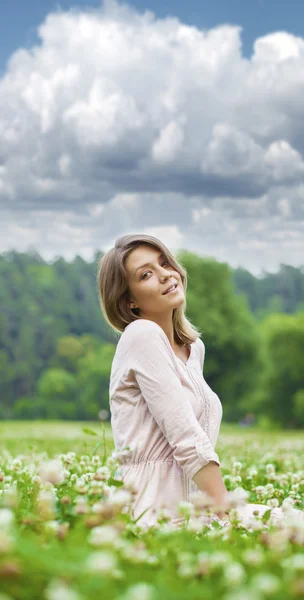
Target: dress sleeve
{"type": "Point", "coordinates": [158, 380]}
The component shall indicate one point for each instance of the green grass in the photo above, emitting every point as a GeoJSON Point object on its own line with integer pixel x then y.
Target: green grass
{"type": "Point", "coordinates": [46, 556]}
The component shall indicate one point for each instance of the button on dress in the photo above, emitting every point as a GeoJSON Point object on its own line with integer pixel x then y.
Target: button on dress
{"type": "Point", "coordinates": [169, 416]}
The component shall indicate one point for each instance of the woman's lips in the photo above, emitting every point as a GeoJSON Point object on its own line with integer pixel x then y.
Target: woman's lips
{"type": "Point", "coordinates": [172, 291]}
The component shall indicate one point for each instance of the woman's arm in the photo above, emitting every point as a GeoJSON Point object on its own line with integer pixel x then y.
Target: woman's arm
{"type": "Point", "coordinates": [209, 479]}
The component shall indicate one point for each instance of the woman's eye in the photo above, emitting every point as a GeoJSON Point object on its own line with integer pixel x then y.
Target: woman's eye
{"type": "Point", "coordinates": [143, 276]}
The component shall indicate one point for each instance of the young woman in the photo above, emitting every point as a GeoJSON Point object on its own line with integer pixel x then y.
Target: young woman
{"type": "Point", "coordinates": [161, 405]}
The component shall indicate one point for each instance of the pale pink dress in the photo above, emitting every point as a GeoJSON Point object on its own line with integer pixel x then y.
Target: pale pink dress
{"type": "Point", "coordinates": [166, 411]}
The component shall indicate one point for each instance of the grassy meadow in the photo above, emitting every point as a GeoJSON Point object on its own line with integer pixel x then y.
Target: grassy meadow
{"type": "Point", "coordinates": [67, 532]}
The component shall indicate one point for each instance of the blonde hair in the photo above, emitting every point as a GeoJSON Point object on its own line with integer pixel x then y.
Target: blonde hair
{"type": "Point", "coordinates": [114, 294]}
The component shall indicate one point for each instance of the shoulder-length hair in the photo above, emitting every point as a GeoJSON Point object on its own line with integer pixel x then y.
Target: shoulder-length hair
{"type": "Point", "coordinates": [114, 294]}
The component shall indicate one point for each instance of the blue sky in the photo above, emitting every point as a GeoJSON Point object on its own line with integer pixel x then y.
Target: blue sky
{"type": "Point", "coordinates": [19, 20]}
{"type": "Point", "coordinates": [186, 129]}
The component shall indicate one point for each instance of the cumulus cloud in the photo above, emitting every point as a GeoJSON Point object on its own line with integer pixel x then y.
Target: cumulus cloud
{"type": "Point", "coordinates": [122, 122]}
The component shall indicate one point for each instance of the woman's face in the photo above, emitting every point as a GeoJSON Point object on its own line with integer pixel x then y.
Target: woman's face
{"type": "Point", "coordinates": [147, 284]}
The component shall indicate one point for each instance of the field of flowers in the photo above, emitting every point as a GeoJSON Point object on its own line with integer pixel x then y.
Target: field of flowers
{"type": "Point", "coordinates": [67, 532]}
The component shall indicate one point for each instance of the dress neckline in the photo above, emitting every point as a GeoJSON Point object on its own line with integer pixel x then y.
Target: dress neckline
{"type": "Point", "coordinates": [189, 357]}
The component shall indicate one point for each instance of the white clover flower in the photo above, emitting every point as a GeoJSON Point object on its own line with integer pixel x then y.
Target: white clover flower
{"type": "Point", "coordinates": [295, 487]}
{"type": "Point", "coordinates": [186, 570]}
{"type": "Point", "coordinates": [234, 573]}
{"type": "Point", "coordinates": [120, 498]}
{"type": "Point", "coordinates": [164, 513]}
{"type": "Point", "coordinates": [273, 502]}
{"type": "Point", "coordinates": [59, 591]}
{"type": "Point", "coordinates": [103, 535]}
{"type": "Point", "coordinates": [203, 560]}
{"type": "Point", "coordinates": [237, 497]}
{"type": "Point", "coordinates": [46, 500]}
{"type": "Point", "coordinates": [252, 472]}
{"type": "Point", "coordinates": [166, 528]}
{"type": "Point", "coordinates": [51, 526]}
{"type": "Point", "coordinates": [295, 478]}
{"type": "Point", "coordinates": [195, 525]}
{"type": "Point", "coordinates": [139, 591]}
{"type": "Point", "coordinates": [104, 471]}
{"type": "Point", "coordinates": [80, 487]}
{"type": "Point", "coordinates": [102, 562]}
{"type": "Point", "coordinates": [266, 583]}
{"type": "Point", "coordinates": [200, 500]}
{"type": "Point", "coordinates": [16, 464]}
{"type": "Point", "coordinates": [52, 472]}
{"type": "Point", "coordinates": [287, 504]}
{"type": "Point", "coordinates": [269, 468]}
{"type": "Point", "coordinates": [295, 562]}
{"type": "Point", "coordinates": [185, 509]}
{"type": "Point", "coordinates": [253, 556]}
{"type": "Point", "coordinates": [6, 519]}
{"type": "Point", "coordinates": [219, 558]}
{"type": "Point", "coordinates": [36, 479]}
{"type": "Point", "coordinates": [11, 495]}
{"type": "Point", "coordinates": [261, 492]}
{"type": "Point", "coordinates": [81, 506]}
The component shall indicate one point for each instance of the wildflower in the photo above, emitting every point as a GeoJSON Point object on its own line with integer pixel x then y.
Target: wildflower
{"type": "Point", "coordinates": [164, 514]}
{"type": "Point", "coordinates": [200, 500]}
{"type": "Point", "coordinates": [80, 487]}
{"type": "Point", "coordinates": [252, 472]}
{"type": "Point", "coordinates": [103, 414]}
{"type": "Point", "coordinates": [234, 573]}
{"type": "Point", "coordinates": [269, 468]}
{"type": "Point", "coordinates": [185, 509]}
{"type": "Point", "coordinates": [267, 583]}
{"type": "Point", "coordinates": [253, 557]}
{"type": "Point", "coordinates": [16, 464]}
{"type": "Point", "coordinates": [81, 506]}
{"type": "Point", "coordinates": [120, 498]}
{"type": "Point", "coordinates": [52, 472]}
{"type": "Point", "coordinates": [102, 536]}
{"type": "Point", "coordinates": [46, 504]}
{"type": "Point", "coordinates": [219, 558]}
{"type": "Point", "coordinates": [236, 497]}
{"type": "Point", "coordinates": [104, 562]}
{"type": "Point", "coordinates": [11, 496]}
{"type": "Point", "coordinates": [195, 525]}
{"type": "Point", "coordinates": [6, 519]}
{"type": "Point", "coordinates": [273, 502]}
{"type": "Point", "coordinates": [295, 562]}
{"type": "Point", "coordinates": [57, 590]}
{"type": "Point", "coordinates": [186, 567]}
{"type": "Point", "coordinates": [203, 563]}
{"type": "Point", "coordinates": [51, 526]}
{"type": "Point", "coordinates": [139, 591]}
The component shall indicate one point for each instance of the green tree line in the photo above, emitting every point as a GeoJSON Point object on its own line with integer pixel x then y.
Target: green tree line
{"type": "Point", "coordinates": [56, 350]}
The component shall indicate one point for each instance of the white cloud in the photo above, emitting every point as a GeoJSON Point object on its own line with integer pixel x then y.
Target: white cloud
{"type": "Point", "coordinates": [119, 121]}
{"type": "Point", "coordinates": [167, 146]}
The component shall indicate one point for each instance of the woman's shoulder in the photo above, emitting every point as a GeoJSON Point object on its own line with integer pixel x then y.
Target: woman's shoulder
{"type": "Point", "coordinates": [139, 329]}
